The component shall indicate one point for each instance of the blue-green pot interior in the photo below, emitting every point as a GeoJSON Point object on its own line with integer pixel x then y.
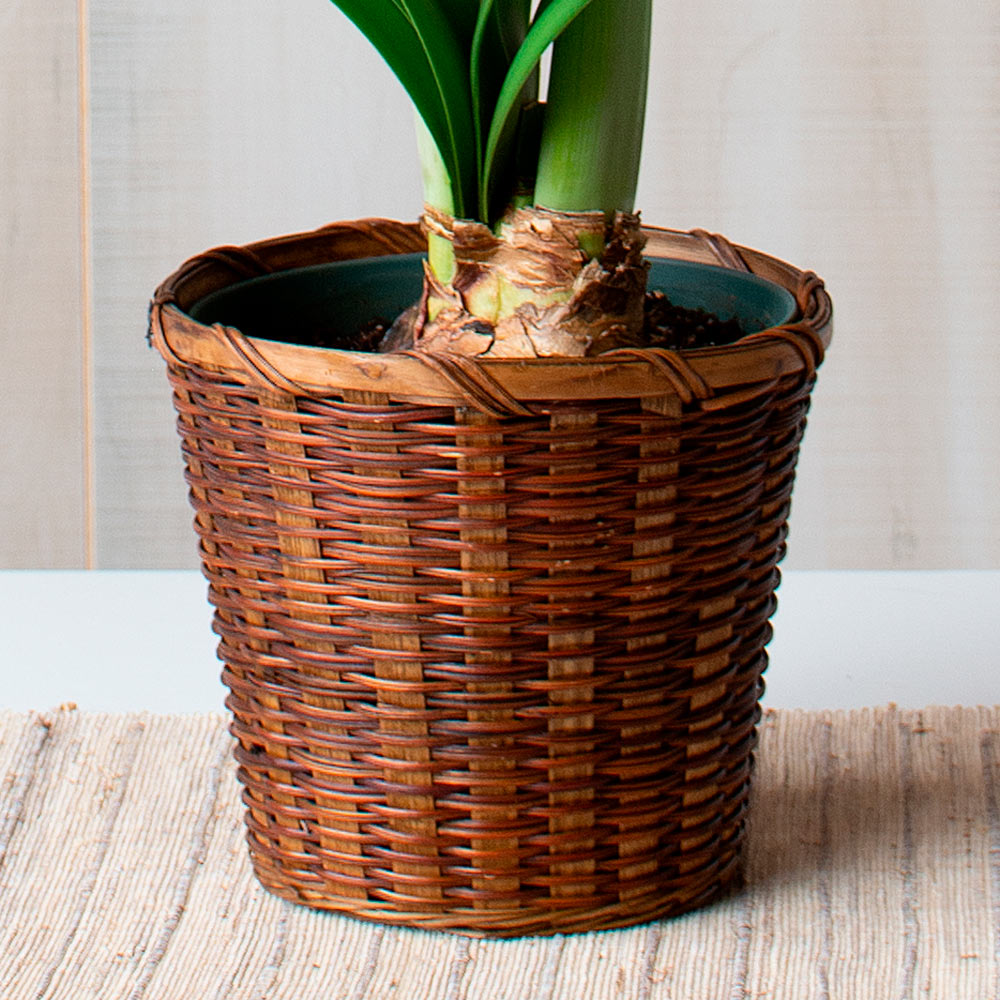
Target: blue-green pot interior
{"type": "Point", "coordinates": [340, 297]}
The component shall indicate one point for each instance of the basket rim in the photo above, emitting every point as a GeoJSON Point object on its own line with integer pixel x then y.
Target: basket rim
{"type": "Point", "coordinates": [497, 385]}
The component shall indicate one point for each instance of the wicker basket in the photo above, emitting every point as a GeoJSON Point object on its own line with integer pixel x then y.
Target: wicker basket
{"type": "Point", "coordinates": [494, 633]}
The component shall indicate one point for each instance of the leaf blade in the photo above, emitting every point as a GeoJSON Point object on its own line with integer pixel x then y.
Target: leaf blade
{"type": "Point", "coordinates": [420, 46]}
{"type": "Point", "coordinates": [501, 28]}
{"type": "Point", "coordinates": [551, 19]}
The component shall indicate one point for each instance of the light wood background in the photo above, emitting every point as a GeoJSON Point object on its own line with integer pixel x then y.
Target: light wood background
{"type": "Point", "coordinates": [860, 139]}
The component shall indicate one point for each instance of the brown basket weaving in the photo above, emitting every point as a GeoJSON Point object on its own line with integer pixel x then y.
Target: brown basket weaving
{"type": "Point", "coordinates": [494, 632]}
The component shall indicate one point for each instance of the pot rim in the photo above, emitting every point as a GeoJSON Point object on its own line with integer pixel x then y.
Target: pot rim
{"type": "Point", "coordinates": [500, 386]}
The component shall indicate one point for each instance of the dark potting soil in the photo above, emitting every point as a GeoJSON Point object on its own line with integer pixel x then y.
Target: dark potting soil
{"type": "Point", "coordinates": [676, 328]}
{"type": "Point", "coordinates": [667, 325]}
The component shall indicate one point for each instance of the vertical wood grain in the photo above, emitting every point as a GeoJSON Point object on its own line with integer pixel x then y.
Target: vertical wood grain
{"type": "Point", "coordinates": [862, 142]}
{"type": "Point", "coordinates": [213, 123]}
{"type": "Point", "coordinates": [851, 139]}
{"type": "Point", "coordinates": [43, 502]}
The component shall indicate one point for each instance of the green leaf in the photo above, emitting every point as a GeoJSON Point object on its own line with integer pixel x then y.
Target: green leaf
{"type": "Point", "coordinates": [500, 31]}
{"type": "Point", "coordinates": [461, 14]}
{"type": "Point", "coordinates": [420, 44]}
{"type": "Point", "coordinates": [476, 69]}
{"type": "Point", "coordinates": [511, 20]}
{"type": "Point", "coordinates": [551, 19]}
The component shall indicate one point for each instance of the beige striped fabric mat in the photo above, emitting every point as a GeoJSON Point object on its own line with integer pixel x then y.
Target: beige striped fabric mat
{"type": "Point", "coordinates": [872, 871]}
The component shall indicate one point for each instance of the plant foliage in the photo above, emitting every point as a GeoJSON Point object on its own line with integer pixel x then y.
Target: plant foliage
{"type": "Point", "coordinates": [471, 68]}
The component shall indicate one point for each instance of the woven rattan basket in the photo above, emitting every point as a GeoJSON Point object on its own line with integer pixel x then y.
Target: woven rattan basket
{"type": "Point", "coordinates": [494, 632]}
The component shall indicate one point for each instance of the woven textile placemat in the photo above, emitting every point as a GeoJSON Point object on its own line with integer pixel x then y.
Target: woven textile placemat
{"type": "Point", "coordinates": [872, 871]}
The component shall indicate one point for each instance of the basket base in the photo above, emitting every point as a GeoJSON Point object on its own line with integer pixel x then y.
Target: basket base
{"type": "Point", "coordinates": [540, 921]}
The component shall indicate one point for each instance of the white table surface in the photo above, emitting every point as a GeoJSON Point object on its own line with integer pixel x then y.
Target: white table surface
{"type": "Point", "coordinates": [133, 641]}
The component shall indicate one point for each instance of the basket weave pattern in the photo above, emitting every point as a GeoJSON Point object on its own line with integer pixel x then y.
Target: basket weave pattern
{"type": "Point", "coordinates": [492, 674]}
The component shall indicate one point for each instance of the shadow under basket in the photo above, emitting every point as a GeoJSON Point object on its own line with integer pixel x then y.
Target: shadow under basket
{"type": "Point", "coordinates": [493, 631]}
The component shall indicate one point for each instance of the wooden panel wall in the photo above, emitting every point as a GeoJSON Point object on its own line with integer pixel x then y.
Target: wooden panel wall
{"type": "Point", "coordinates": [43, 460]}
{"type": "Point", "coordinates": [863, 143]}
{"type": "Point", "coordinates": [212, 123]}
{"type": "Point", "coordinates": [847, 138]}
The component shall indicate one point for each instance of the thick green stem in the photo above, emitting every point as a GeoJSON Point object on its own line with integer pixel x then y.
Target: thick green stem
{"type": "Point", "coordinates": [438, 194]}
{"type": "Point", "coordinates": [595, 111]}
